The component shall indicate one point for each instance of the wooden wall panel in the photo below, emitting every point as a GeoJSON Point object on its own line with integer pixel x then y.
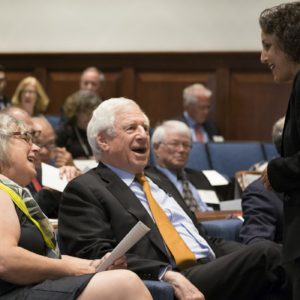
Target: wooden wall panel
{"type": "Point", "coordinates": [160, 93]}
{"type": "Point", "coordinates": [256, 102]}
{"type": "Point", "coordinates": [13, 79]}
{"type": "Point", "coordinates": [246, 101]}
{"type": "Point", "coordinates": [62, 84]}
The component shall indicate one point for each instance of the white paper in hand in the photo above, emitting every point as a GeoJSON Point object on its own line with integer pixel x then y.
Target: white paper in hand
{"type": "Point", "coordinates": [51, 178]}
{"type": "Point", "coordinates": [131, 238]}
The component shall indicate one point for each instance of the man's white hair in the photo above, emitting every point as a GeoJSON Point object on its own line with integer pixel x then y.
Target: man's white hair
{"type": "Point", "coordinates": [103, 120]}
{"type": "Point", "coordinates": [161, 132]}
{"type": "Point", "coordinates": [189, 93]}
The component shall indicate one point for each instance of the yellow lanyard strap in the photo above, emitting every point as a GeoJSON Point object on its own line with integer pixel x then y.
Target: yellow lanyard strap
{"type": "Point", "coordinates": [20, 203]}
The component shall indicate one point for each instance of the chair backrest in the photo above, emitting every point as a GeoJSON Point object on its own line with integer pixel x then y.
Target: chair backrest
{"type": "Point", "coordinates": [198, 158]}
{"type": "Point", "coordinates": [229, 157]}
{"type": "Point", "coordinates": [270, 151]}
{"type": "Point", "coordinates": [54, 120]}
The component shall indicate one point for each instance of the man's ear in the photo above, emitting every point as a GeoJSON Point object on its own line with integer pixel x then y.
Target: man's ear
{"type": "Point", "coordinates": [156, 146]}
{"type": "Point", "coordinates": [102, 141]}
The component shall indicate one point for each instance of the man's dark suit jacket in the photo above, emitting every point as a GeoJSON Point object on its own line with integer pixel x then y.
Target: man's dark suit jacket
{"type": "Point", "coordinates": [208, 126]}
{"type": "Point", "coordinates": [98, 209]}
{"type": "Point", "coordinates": [197, 178]}
{"type": "Point", "coordinates": [263, 214]}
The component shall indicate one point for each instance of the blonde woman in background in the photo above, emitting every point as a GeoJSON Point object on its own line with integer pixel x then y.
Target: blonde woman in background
{"type": "Point", "coordinates": [31, 96]}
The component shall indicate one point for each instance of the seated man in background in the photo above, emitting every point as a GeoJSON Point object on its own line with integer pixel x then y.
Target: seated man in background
{"type": "Point", "coordinates": [49, 153]}
{"type": "Point", "coordinates": [196, 104]}
{"type": "Point", "coordinates": [262, 208]}
{"type": "Point", "coordinates": [92, 79]}
{"type": "Point", "coordinates": [172, 143]}
{"type": "Point", "coordinates": [101, 206]}
{"type": "Point", "coordinates": [49, 199]}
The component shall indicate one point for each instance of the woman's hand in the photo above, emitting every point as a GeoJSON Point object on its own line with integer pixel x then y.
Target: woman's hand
{"type": "Point", "coordinates": [62, 157]}
{"type": "Point", "coordinates": [80, 266]}
{"type": "Point", "coordinates": [119, 263]}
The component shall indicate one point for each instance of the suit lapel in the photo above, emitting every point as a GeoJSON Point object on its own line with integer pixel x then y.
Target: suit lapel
{"type": "Point", "coordinates": [131, 203]}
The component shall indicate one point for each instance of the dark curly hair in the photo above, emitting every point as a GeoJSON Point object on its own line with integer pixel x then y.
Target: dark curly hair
{"type": "Point", "coordinates": [284, 22]}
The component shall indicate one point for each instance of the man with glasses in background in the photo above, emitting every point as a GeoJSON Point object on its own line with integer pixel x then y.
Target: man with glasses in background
{"type": "Point", "coordinates": [172, 143]}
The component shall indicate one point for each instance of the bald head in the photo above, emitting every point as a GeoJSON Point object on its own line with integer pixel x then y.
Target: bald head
{"type": "Point", "coordinates": [19, 114]}
{"type": "Point", "coordinates": [46, 139]}
{"type": "Point", "coordinates": [92, 80]}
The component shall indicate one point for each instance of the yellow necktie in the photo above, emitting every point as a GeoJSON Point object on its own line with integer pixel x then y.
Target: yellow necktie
{"type": "Point", "coordinates": [182, 254]}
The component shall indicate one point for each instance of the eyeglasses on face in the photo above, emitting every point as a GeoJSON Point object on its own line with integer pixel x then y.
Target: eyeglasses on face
{"type": "Point", "coordinates": [30, 92]}
{"type": "Point", "coordinates": [177, 144]}
{"type": "Point", "coordinates": [26, 136]}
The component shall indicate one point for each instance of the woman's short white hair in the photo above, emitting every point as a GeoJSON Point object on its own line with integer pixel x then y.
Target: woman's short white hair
{"type": "Point", "coordinates": [8, 124]}
{"type": "Point", "coordinates": [161, 132]}
{"type": "Point", "coordinates": [103, 120]}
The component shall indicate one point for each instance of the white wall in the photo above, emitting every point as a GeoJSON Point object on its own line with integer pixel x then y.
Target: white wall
{"type": "Point", "coordinates": [130, 25]}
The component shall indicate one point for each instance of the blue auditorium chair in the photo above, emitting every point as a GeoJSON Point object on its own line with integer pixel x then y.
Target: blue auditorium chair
{"type": "Point", "coordinates": [229, 157]}
{"type": "Point", "coordinates": [54, 120]}
{"type": "Point", "coordinates": [269, 151]}
{"type": "Point", "coordinates": [198, 158]}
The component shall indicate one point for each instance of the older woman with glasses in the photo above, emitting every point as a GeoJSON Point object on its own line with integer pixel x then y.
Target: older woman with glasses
{"type": "Point", "coordinates": [31, 266]}
{"type": "Point", "coordinates": [31, 96]}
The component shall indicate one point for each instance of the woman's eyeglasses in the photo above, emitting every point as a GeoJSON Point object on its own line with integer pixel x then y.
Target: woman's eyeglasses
{"type": "Point", "coordinates": [26, 136]}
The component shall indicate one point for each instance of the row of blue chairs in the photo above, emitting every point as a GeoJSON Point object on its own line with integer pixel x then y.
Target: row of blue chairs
{"type": "Point", "coordinates": [228, 157]}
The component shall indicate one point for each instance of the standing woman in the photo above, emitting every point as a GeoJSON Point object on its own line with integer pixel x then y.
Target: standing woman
{"type": "Point", "coordinates": [280, 35]}
{"type": "Point", "coordinates": [30, 96]}
{"type": "Point", "coordinates": [30, 263]}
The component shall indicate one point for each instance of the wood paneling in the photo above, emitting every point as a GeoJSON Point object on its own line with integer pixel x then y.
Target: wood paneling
{"type": "Point", "coordinates": [255, 104]}
{"type": "Point", "coordinates": [246, 101]}
{"type": "Point", "coordinates": [160, 93]}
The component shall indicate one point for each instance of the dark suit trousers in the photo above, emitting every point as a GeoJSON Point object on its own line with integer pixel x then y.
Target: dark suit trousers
{"type": "Point", "coordinates": [293, 270]}
{"type": "Point", "coordinates": [253, 272]}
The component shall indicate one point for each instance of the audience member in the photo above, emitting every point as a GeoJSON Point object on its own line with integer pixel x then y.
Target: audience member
{"type": "Point", "coordinates": [262, 213]}
{"type": "Point", "coordinates": [172, 143]}
{"type": "Point", "coordinates": [31, 96]}
{"type": "Point", "coordinates": [31, 266]}
{"type": "Point", "coordinates": [276, 139]}
{"type": "Point", "coordinates": [92, 80]}
{"type": "Point", "coordinates": [99, 208]}
{"type": "Point", "coordinates": [72, 134]}
{"type": "Point", "coordinates": [263, 208]}
{"type": "Point", "coordinates": [280, 31]}
{"type": "Point", "coordinates": [4, 100]}
{"type": "Point", "coordinates": [19, 114]}
{"type": "Point", "coordinates": [49, 152]}
{"type": "Point", "coordinates": [48, 199]}
{"type": "Point", "coordinates": [196, 104]}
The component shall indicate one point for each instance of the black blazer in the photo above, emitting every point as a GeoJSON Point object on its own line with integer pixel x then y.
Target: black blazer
{"type": "Point", "coordinates": [284, 174]}
{"type": "Point", "coordinates": [263, 214]}
{"type": "Point", "coordinates": [197, 178]}
{"type": "Point", "coordinates": [98, 210]}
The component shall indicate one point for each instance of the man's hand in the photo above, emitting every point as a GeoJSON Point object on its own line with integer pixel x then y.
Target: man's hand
{"type": "Point", "coordinates": [69, 172]}
{"type": "Point", "coordinates": [62, 157]}
{"type": "Point", "coordinates": [265, 179]}
{"type": "Point", "coordinates": [184, 289]}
